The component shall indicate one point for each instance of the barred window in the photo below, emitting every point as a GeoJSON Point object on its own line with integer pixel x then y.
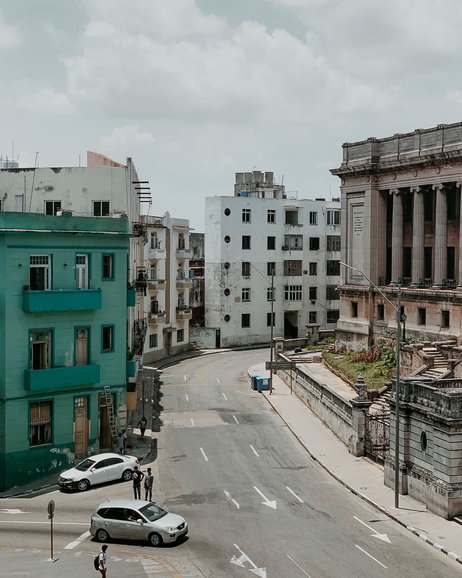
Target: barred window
{"type": "Point", "coordinates": [292, 268]}
{"type": "Point", "coordinates": [333, 243]}
{"type": "Point", "coordinates": [40, 423]}
{"type": "Point", "coordinates": [292, 292]}
{"type": "Point", "coordinates": [332, 268]}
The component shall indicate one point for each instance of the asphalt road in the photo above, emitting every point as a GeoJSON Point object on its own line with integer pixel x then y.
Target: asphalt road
{"type": "Point", "coordinates": [256, 503]}
{"type": "Point", "coordinates": [255, 500]}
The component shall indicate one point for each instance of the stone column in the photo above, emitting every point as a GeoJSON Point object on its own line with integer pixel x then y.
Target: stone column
{"type": "Point", "coordinates": [441, 228]}
{"type": "Point", "coordinates": [417, 236]}
{"type": "Point", "coordinates": [459, 284]}
{"type": "Point", "coordinates": [397, 237]}
{"type": "Point", "coordinates": [360, 407]}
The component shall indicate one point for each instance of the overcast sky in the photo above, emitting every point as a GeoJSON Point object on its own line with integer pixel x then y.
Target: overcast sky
{"type": "Point", "coordinates": [196, 90]}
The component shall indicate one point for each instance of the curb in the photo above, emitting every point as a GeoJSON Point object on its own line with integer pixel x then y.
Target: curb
{"type": "Point", "coordinates": [422, 535]}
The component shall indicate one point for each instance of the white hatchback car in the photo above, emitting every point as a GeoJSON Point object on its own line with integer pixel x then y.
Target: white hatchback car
{"type": "Point", "coordinates": [136, 520]}
{"type": "Point", "coordinates": [98, 470]}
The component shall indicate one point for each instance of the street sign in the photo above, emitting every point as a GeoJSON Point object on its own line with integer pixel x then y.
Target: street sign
{"type": "Point", "coordinates": [281, 365]}
{"type": "Point", "coordinates": [51, 509]}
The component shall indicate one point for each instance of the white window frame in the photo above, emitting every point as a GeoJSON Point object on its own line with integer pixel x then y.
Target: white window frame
{"type": "Point", "coordinates": [246, 215]}
{"type": "Point", "coordinates": [333, 216]}
{"type": "Point", "coordinates": [245, 294]}
{"type": "Point", "coordinates": [313, 217]}
{"type": "Point", "coordinates": [41, 261]}
{"type": "Point", "coordinates": [100, 211]}
{"type": "Point", "coordinates": [293, 292]}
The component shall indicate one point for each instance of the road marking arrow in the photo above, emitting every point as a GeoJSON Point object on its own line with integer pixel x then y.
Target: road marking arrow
{"type": "Point", "coordinates": [383, 537]}
{"type": "Point", "coordinates": [229, 497]}
{"type": "Point", "coordinates": [271, 504]}
{"type": "Point", "coordinates": [241, 561]}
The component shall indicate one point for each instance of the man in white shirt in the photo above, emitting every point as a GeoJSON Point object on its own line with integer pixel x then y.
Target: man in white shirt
{"type": "Point", "coordinates": [102, 561]}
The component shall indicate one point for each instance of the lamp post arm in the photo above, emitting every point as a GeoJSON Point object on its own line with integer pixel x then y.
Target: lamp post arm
{"type": "Point", "coordinates": [371, 282]}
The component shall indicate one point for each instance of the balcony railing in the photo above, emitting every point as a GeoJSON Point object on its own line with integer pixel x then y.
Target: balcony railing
{"type": "Point", "coordinates": [425, 283]}
{"type": "Point", "coordinates": [183, 281]}
{"type": "Point", "coordinates": [156, 318]}
{"type": "Point", "coordinates": [156, 253]}
{"type": "Point", "coordinates": [182, 253]}
{"type": "Point", "coordinates": [449, 284]}
{"type": "Point", "coordinates": [61, 300]}
{"type": "Point", "coordinates": [57, 378]}
{"type": "Point", "coordinates": [183, 312]}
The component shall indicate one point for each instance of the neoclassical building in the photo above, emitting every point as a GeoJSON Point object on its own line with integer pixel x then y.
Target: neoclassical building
{"type": "Point", "coordinates": [402, 231]}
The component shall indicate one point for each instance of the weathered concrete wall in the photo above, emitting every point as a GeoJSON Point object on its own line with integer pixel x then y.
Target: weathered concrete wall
{"type": "Point", "coordinates": [205, 336]}
{"type": "Point", "coordinates": [333, 410]}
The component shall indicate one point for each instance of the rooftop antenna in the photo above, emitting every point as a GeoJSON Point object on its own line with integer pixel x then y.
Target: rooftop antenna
{"type": "Point", "coordinates": [33, 180]}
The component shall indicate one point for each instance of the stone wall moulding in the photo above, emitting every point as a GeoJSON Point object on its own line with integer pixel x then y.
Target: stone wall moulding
{"type": "Point", "coordinates": [361, 195]}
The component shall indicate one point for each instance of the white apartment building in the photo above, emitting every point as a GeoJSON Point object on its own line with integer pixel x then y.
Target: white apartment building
{"type": "Point", "coordinates": [262, 239]}
{"type": "Point", "coordinates": [166, 303]}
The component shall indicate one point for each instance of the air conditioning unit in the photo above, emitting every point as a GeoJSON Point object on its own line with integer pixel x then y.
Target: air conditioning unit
{"type": "Point", "coordinates": [313, 302]}
{"type": "Point", "coordinates": [285, 247]}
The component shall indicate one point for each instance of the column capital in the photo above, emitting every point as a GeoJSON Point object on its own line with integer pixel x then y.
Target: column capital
{"type": "Point", "coordinates": [415, 189]}
{"type": "Point", "coordinates": [458, 184]}
{"type": "Point", "coordinates": [438, 187]}
{"type": "Point", "coordinates": [394, 191]}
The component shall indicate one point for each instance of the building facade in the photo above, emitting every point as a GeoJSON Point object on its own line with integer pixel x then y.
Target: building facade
{"type": "Point", "coordinates": [166, 300]}
{"type": "Point", "coordinates": [103, 187]}
{"type": "Point", "coordinates": [270, 259]}
{"type": "Point", "coordinates": [63, 339]}
{"type": "Point", "coordinates": [402, 231]}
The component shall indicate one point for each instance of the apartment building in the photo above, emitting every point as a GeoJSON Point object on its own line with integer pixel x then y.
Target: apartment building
{"type": "Point", "coordinates": [167, 286]}
{"type": "Point", "coordinates": [270, 258]}
{"type": "Point", "coordinates": [63, 339]}
{"type": "Point", "coordinates": [402, 232]}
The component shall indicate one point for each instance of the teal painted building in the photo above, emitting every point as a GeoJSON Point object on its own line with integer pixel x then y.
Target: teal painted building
{"type": "Point", "coordinates": [63, 338]}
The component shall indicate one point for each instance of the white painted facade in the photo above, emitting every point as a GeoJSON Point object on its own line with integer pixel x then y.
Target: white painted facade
{"type": "Point", "coordinates": [238, 301]}
{"type": "Point", "coordinates": [166, 304]}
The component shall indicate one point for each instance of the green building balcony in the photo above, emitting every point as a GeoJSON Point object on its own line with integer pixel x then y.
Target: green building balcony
{"type": "Point", "coordinates": [61, 300]}
{"type": "Point", "coordinates": [57, 378]}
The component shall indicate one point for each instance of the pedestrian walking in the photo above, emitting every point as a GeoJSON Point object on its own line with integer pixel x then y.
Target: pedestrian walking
{"type": "Point", "coordinates": [120, 444]}
{"type": "Point", "coordinates": [102, 562]}
{"type": "Point", "coordinates": [137, 477]}
{"type": "Point", "coordinates": [148, 482]}
{"type": "Point", "coordinates": [142, 425]}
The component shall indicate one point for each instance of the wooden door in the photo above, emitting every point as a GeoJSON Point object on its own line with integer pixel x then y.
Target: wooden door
{"type": "Point", "coordinates": [81, 426]}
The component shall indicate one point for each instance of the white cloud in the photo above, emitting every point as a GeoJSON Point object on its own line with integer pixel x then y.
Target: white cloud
{"type": "Point", "coordinates": [10, 36]}
{"type": "Point", "coordinates": [45, 101]}
{"type": "Point", "coordinates": [124, 137]}
{"type": "Point", "coordinates": [145, 67]}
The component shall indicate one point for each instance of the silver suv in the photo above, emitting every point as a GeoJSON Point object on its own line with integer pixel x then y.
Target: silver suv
{"type": "Point", "coordinates": [136, 520]}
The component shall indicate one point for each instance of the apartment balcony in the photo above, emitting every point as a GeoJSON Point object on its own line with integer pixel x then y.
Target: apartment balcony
{"type": "Point", "coordinates": [156, 318]}
{"type": "Point", "coordinates": [61, 300]}
{"type": "Point", "coordinates": [155, 284]}
{"type": "Point", "coordinates": [183, 282]}
{"type": "Point", "coordinates": [183, 253]}
{"type": "Point", "coordinates": [156, 253]}
{"type": "Point", "coordinates": [183, 313]}
{"type": "Point", "coordinates": [58, 378]}
{"type": "Point", "coordinates": [292, 249]}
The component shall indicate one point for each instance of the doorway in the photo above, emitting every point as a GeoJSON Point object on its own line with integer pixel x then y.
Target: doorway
{"type": "Point", "coordinates": [81, 428]}
{"type": "Point", "coordinates": [105, 436]}
{"type": "Point", "coordinates": [81, 346]}
{"type": "Point", "coordinates": [81, 271]}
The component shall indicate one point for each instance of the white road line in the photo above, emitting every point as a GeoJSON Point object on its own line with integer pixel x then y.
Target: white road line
{"type": "Point", "coordinates": [229, 497]}
{"type": "Point", "coordinates": [205, 457]}
{"type": "Point", "coordinates": [295, 495]}
{"type": "Point", "coordinates": [78, 541]}
{"type": "Point", "coordinates": [192, 422]}
{"type": "Point", "coordinates": [187, 397]}
{"type": "Point", "coordinates": [185, 377]}
{"type": "Point", "coordinates": [224, 395]}
{"type": "Point", "coordinates": [298, 566]}
{"type": "Point", "coordinates": [371, 557]}
{"type": "Point", "coordinates": [254, 451]}
{"type": "Point", "coordinates": [218, 381]}
{"type": "Point", "coordinates": [235, 419]}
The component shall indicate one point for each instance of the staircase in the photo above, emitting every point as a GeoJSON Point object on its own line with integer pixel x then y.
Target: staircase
{"type": "Point", "coordinates": [110, 411]}
{"type": "Point", "coordinates": [439, 370]}
{"type": "Point", "coordinates": [381, 403]}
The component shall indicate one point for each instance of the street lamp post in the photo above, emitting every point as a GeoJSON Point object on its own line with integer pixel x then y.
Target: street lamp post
{"type": "Point", "coordinates": [399, 318]}
{"type": "Point", "coordinates": [271, 321]}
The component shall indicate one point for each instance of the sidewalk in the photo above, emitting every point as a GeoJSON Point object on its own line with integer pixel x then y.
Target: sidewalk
{"type": "Point", "coordinates": [137, 447]}
{"type": "Point", "coordinates": [360, 475]}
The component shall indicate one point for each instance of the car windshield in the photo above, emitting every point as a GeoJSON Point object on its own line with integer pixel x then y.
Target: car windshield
{"type": "Point", "coordinates": [153, 512]}
{"type": "Point", "coordinates": [85, 465]}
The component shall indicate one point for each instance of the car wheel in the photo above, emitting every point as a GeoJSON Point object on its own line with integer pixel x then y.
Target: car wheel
{"type": "Point", "coordinates": [83, 485]}
{"type": "Point", "coordinates": [101, 535]}
{"type": "Point", "coordinates": [127, 475]}
{"type": "Point", "coordinates": [155, 539]}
